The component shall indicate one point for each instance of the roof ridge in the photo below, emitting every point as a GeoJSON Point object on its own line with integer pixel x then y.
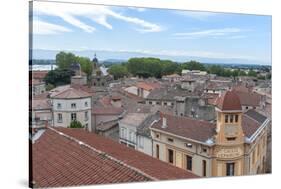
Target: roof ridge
{"type": "Point", "coordinates": [103, 153]}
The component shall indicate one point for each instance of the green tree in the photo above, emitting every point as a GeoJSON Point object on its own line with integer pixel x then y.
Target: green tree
{"type": "Point", "coordinates": [75, 124]}
{"type": "Point", "coordinates": [64, 60]}
{"type": "Point", "coordinates": [59, 77]}
{"type": "Point", "coordinates": [118, 71]}
{"type": "Point", "coordinates": [168, 67]}
{"type": "Point", "coordinates": [49, 86]}
{"type": "Point", "coordinates": [252, 73]}
{"type": "Point", "coordinates": [193, 65]}
{"type": "Point", "coordinates": [86, 65]}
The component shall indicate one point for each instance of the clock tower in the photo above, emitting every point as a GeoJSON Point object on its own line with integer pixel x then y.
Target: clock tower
{"type": "Point", "coordinates": [229, 138]}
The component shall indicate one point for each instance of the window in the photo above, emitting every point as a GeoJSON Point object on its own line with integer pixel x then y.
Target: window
{"type": "Point", "coordinates": [73, 105]}
{"type": "Point", "coordinates": [253, 157]}
{"type": "Point", "coordinates": [59, 118]}
{"type": "Point", "coordinates": [247, 107]}
{"type": "Point", "coordinates": [86, 104]}
{"type": "Point", "coordinates": [73, 116]}
{"type": "Point", "coordinates": [230, 169]}
{"type": "Point", "coordinates": [170, 140]}
{"type": "Point", "coordinates": [150, 102]}
{"type": "Point", "coordinates": [165, 103]}
{"type": "Point", "coordinates": [226, 118]}
{"type": "Point", "coordinates": [204, 168]}
{"type": "Point", "coordinates": [236, 118]}
{"type": "Point", "coordinates": [123, 143]}
{"type": "Point", "coordinates": [123, 132]}
{"type": "Point", "coordinates": [204, 150]}
{"type": "Point", "coordinates": [59, 106]}
{"type": "Point", "coordinates": [231, 118]}
{"type": "Point", "coordinates": [188, 162]}
{"type": "Point", "coordinates": [86, 116]}
{"type": "Point", "coordinates": [188, 145]}
{"type": "Point", "coordinates": [131, 136]}
{"type": "Point", "coordinates": [258, 149]}
{"type": "Point", "coordinates": [171, 156]}
{"type": "Point", "coordinates": [157, 136]}
{"type": "Point", "coordinates": [157, 151]}
{"type": "Point", "coordinates": [231, 138]}
{"type": "Point", "coordinates": [158, 103]}
{"type": "Point", "coordinates": [141, 142]}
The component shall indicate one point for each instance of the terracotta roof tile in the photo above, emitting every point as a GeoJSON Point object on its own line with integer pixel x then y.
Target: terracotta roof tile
{"type": "Point", "coordinates": [59, 161]}
{"type": "Point", "coordinates": [148, 86]}
{"type": "Point", "coordinates": [107, 110]}
{"type": "Point", "coordinates": [70, 93]}
{"type": "Point", "coordinates": [147, 164]}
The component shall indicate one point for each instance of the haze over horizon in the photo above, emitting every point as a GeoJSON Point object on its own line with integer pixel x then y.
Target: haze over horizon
{"type": "Point", "coordinates": [121, 32]}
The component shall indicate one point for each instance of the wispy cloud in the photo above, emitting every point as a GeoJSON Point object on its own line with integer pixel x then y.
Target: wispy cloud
{"type": "Point", "coordinates": [44, 28]}
{"type": "Point", "coordinates": [73, 14]}
{"type": "Point", "coordinates": [209, 33]}
{"type": "Point", "coordinates": [198, 15]}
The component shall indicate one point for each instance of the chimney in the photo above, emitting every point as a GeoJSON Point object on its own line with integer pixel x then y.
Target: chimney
{"type": "Point", "coordinates": [164, 122]}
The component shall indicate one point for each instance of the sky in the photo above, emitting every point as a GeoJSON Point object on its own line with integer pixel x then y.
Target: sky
{"type": "Point", "coordinates": [174, 33]}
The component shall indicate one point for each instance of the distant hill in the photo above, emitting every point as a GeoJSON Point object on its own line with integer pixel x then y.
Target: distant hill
{"type": "Point", "coordinates": [118, 57]}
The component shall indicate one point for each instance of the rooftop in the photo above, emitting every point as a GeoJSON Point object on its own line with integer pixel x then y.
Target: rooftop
{"type": "Point", "coordinates": [148, 86]}
{"type": "Point", "coordinates": [107, 110]}
{"type": "Point", "coordinates": [71, 93]}
{"type": "Point", "coordinates": [229, 101]}
{"type": "Point", "coordinates": [187, 127]}
{"type": "Point", "coordinates": [134, 119]}
{"type": "Point", "coordinates": [59, 160]}
{"type": "Point", "coordinates": [68, 157]}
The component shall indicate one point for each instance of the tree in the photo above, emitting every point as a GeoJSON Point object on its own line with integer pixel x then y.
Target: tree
{"type": "Point", "coordinates": [193, 65]}
{"type": "Point", "coordinates": [49, 86]}
{"type": "Point", "coordinates": [59, 77]}
{"type": "Point", "coordinates": [168, 67]}
{"type": "Point", "coordinates": [75, 124]}
{"type": "Point", "coordinates": [118, 71]}
{"type": "Point", "coordinates": [64, 60]}
{"type": "Point", "coordinates": [252, 73]}
{"type": "Point", "coordinates": [86, 65]}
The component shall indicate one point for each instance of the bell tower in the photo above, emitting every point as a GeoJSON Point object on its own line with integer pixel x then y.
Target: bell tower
{"type": "Point", "coordinates": [229, 119]}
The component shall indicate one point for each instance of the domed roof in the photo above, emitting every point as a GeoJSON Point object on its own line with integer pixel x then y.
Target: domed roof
{"type": "Point", "coordinates": [229, 101]}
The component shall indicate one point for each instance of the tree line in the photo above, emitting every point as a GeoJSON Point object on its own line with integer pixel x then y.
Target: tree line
{"type": "Point", "coordinates": [154, 67]}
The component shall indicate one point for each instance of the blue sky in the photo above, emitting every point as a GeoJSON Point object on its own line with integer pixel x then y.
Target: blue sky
{"type": "Point", "coordinates": [60, 26]}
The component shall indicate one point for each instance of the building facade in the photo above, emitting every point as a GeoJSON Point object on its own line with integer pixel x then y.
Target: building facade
{"type": "Point", "coordinates": [234, 145]}
{"type": "Point", "coordinates": [69, 105]}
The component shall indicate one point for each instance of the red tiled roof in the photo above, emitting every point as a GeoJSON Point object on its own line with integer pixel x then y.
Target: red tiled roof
{"type": "Point", "coordinates": [39, 74]}
{"type": "Point", "coordinates": [187, 127]}
{"type": "Point", "coordinates": [60, 161]}
{"type": "Point", "coordinates": [38, 104]}
{"type": "Point", "coordinates": [151, 166]}
{"type": "Point", "coordinates": [249, 125]}
{"type": "Point", "coordinates": [148, 86]}
{"type": "Point", "coordinates": [72, 93]}
{"type": "Point", "coordinates": [229, 100]}
{"type": "Point", "coordinates": [107, 110]}
{"type": "Point", "coordinates": [249, 98]}
{"type": "Point", "coordinates": [105, 101]}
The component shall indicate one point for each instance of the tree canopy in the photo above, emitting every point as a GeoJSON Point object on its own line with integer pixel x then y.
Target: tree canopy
{"type": "Point", "coordinates": [75, 124]}
{"type": "Point", "coordinates": [58, 77]}
{"type": "Point", "coordinates": [118, 71]}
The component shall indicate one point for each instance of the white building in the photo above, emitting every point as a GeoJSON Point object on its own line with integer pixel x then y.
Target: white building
{"type": "Point", "coordinates": [134, 131]}
{"type": "Point", "coordinates": [69, 105]}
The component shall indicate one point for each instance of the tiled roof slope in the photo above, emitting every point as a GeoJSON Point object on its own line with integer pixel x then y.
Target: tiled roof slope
{"type": "Point", "coordinates": [187, 127]}
{"type": "Point", "coordinates": [72, 93]}
{"type": "Point", "coordinates": [59, 161]}
{"type": "Point", "coordinates": [155, 168]}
